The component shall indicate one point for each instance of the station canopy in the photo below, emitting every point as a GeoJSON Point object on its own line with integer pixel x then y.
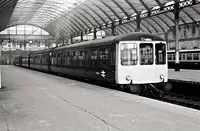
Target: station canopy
{"type": "Point", "coordinates": [66, 18]}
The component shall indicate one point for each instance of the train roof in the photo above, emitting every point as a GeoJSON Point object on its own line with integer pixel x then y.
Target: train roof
{"type": "Point", "coordinates": [25, 53]}
{"type": "Point", "coordinates": [113, 39]}
{"type": "Point", "coordinates": [40, 51]}
{"type": "Point", "coordinates": [183, 50]}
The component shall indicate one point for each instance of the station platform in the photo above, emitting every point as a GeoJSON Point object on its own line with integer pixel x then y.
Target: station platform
{"type": "Point", "coordinates": [185, 76]}
{"type": "Point", "coordinates": [36, 101]}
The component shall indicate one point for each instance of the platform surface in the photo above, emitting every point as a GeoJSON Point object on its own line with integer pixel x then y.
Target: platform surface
{"type": "Point", "coordinates": [188, 76]}
{"type": "Point", "coordinates": [35, 101]}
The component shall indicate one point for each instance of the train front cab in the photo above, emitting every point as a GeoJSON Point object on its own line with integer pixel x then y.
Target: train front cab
{"type": "Point", "coordinates": [141, 63]}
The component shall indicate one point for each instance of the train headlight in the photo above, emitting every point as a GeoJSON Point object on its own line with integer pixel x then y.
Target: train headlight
{"type": "Point", "coordinates": [128, 78]}
{"type": "Point", "coordinates": [162, 77]}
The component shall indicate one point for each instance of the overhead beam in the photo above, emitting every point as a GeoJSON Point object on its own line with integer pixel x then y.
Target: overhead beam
{"type": "Point", "coordinates": [164, 22]}
{"type": "Point", "coordinates": [119, 6]}
{"type": "Point", "coordinates": [132, 7]}
{"type": "Point", "coordinates": [92, 2]}
{"type": "Point", "coordinates": [123, 28]}
{"type": "Point", "coordinates": [120, 30]}
{"type": "Point", "coordinates": [145, 6]}
{"type": "Point", "coordinates": [72, 17]}
{"type": "Point", "coordinates": [95, 13]}
{"type": "Point", "coordinates": [6, 12]}
{"type": "Point", "coordinates": [150, 25]}
{"type": "Point", "coordinates": [190, 17]}
{"type": "Point", "coordinates": [158, 2]}
{"type": "Point", "coordinates": [80, 14]}
{"type": "Point", "coordinates": [150, 13]}
{"type": "Point", "coordinates": [157, 24]}
{"type": "Point", "coordinates": [75, 16]}
{"type": "Point", "coordinates": [111, 9]}
{"type": "Point", "coordinates": [129, 24]}
{"type": "Point", "coordinates": [86, 12]}
{"type": "Point", "coordinates": [68, 26]}
{"type": "Point", "coordinates": [146, 28]}
{"type": "Point", "coordinates": [125, 25]}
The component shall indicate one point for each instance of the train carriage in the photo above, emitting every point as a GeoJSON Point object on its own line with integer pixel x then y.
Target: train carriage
{"type": "Point", "coordinates": [39, 60]}
{"type": "Point", "coordinates": [17, 61]}
{"type": "Point", "coordinates": [135, 60]}
{"type": "Point", "coordinates": [24, 59]}
{"type": "Point", "coordinates": [88, 59]}
{"type": "Point", "coordinates": [189, 59]}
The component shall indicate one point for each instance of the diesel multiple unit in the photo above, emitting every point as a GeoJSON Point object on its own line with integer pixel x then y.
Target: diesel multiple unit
{"type": "Point", "coordinates": [137, 61]}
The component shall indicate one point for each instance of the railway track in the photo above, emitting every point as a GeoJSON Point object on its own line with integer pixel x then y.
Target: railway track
{"type": "Point", "coordinates": [188, 101]}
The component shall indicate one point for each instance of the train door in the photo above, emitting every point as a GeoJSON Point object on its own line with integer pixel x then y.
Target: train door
{"type": "Point", "coordinates": [50, 60]}
{"type": "Point", "coordinates": [85, 62]}
{"type": "Point", "coordinates": [107, 63]}
{"type": "Point", "coordinates": [61, 60]}
{"type": "Point", "coordinates": [112, 59]}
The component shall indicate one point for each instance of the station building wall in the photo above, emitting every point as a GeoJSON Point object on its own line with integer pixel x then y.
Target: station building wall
{"type": "Point", "coordinates": [189, 37]}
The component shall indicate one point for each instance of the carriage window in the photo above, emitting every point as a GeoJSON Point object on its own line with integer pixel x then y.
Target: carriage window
{"type": "Point", "coordinates": [146, 54]}
{"type": "Point", "coordinates": [103, 54]}
{"type": "Point", "coordinates": [59, 59]}
{"type": "Point", "coordinates": [68, 58]}
{"type": "Point", "coordinates": [129, 54]}
{"type": "Point", "coordinates": [31, 60]}
{"type": "Point", "coordinates": [173, 56]}
{"type": "Point", "coordinates": [180, 57]}
{"type": "Point", "coordinates": [93, 57]}
{"type": "Point", "coordinates": [58, 54]}
{"type": "Point", "coordinates": [64, 58]}
{"type": "Point", "coordinates": [74, 55]}
{"type": "Point", "coordinates": [81, 55]}
{"type": "Point", "coordinates": [68, 53]}
{"type": "Point", "coordinates": [64, 55]}
{"type": "Point", "coordinates": [196, 56]}
{"type": "Point", "coordinates": [183, 56]}
{"type": "Point", "coordinates": [160, 53]}
{"type": "Point", "coordinates": [189, 56]}
{"type": "Point", "coordinates": [54, 59]}
{"type": "Point", "coordinates": [93, 54]}
{"type": "Point", "coordinates": [54, 55]}
{"type": "Point", "coordinates": [169, 57]}
{"type": "Point", "coordinates": [112, 57]}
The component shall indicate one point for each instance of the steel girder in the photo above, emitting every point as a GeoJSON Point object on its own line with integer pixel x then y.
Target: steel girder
{"type": "Point", "coordinates": [102, 14]}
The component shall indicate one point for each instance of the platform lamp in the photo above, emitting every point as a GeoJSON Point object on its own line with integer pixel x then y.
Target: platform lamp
{"type": "Point", "coordinates": [30, 43]}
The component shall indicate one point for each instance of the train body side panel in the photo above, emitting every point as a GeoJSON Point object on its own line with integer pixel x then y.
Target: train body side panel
{"type": "Point", "coordinates": [188, 59]}
{"type": "Point", "coordinates": [85, 68]}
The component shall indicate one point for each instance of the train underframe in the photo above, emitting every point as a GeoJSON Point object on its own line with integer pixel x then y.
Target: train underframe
{"type": "Point", "coordinates": [152, 89]}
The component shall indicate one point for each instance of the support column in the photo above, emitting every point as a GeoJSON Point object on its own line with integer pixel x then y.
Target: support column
{"type": "Point", "coordinates": [95, 34]}
{"type": "Point", "coordinates": [63, 41]}
{"type": "Point", "coordinates": [24, 45]}
{"type": "Point", "coordinates": [138, 21]}
{"type": "Point", "coordinates": [71, 39]}
{"type": "Point", "coordinates": [113, 29]}
{"type": "Point", "coordinates": [81, 36]}
{"type": "Point", "coordinates": [167, 39]}
{"type": "Point", "coordinates": [177, 63]}
{"type": "Point", "coordinates": [176, 21]}
{"type": "Point", "coordinates": [56, 42]}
